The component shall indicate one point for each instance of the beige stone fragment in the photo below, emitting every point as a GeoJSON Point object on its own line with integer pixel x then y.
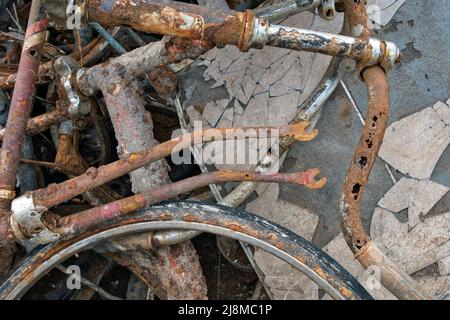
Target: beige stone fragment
{"type": "Point", "coordinates": [213, 111]}
{"type": "Point", "coordinates": [284, 281]}
{"type": "Point", "coordinates": [444, 266]}
{"type": "Point", "coordinates": [413, 249]}
{"type": "Point", "coordinates": [382, 11]}
{"type": "Point", "coordinates": [418, 196]}
{"type": "Point", "coordinates": [414, 144]}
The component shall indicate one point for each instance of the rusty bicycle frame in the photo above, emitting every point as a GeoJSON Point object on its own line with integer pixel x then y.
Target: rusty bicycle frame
{"type": "Point", "coordinates": [194, 30]}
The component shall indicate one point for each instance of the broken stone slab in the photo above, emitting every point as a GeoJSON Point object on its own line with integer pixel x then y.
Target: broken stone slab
{"type": "Point", "coordinates": [418, 196]}
{"type": "Point", "coordinates": [444, 266]}
{"type": "Point", "coordinates": [381, 12]}
{"type": "Point", "coordinates": [339, 250]}
{"type": "Point", "coordinates": [414, 144]}
{"type": "Point", "coordinates": [437, 287]}
{"type": "Point", "coordinates": [214, 110]}
{"type": "Point", "coordinates": [414, 249]}
{"type": "Point", "coordinates": [284, 281]}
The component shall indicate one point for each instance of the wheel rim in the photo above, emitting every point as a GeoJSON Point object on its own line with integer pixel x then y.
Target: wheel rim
{"type": "Point", "coordinates": [298, 252]}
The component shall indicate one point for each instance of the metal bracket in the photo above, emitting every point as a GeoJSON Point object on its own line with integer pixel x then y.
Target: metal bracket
{"type": "Point", "coordinates": [66, 69]}
{"type": "Point", "coordinates": [27, 225]}
{"type": "Point", "coordinates": [327, 9]}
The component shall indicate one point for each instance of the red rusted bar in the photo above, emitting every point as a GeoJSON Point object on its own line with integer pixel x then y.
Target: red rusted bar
{"type": "Point", "coordinates": [174, 18]}
{"type": "Point", "coordinates": [82, 221]}
{"type": "Point", "coordinates": [55, 194]}
{"type": "Point", "coordinates": [19, 111]}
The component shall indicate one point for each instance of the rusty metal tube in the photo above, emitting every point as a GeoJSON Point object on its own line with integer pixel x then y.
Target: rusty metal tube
{"type": "Point", "coordinates": [82, 221]}
{"type": "Point", "coordinates": [365, 251]}
{"type": "Point", "coordinates": [370, 52]}
{"type": "Point", "coordinates": [19, 111]}
{"type": "Point", "coordinates": [241, 29]}
{"type": "Point", "coordinates": [171, 18]}
{"type": "Point", "coordinates": [138, 62]}
{"type": "Point", "coordinates": [41, 122]}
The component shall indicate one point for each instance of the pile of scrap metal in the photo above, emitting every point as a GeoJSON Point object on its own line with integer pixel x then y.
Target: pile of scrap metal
{"type": "Point", "coordinates": [88, 75]}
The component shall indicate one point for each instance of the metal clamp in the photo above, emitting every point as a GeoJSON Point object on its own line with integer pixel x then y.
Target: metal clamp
{"type": "Point", "coordinates": [27, 225]}
{"type": "Point", "coordinates": [7, 194]}
{"type": "Point", "coordinates": [66, 69]}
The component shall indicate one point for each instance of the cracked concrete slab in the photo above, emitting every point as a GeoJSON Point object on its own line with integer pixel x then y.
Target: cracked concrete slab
{"type": "Point", "coordinates": [380, 12]}
{"type": "Point", "coordinates": [414, 144]}
{"type": "Point", "coordinates": [412, 249]}
{"type": "Point", "coordinates": [214, 110]}
{"type": "Point", "coordinates": [438, 287]}
{"type": "Point", "coordinates": [418, 196]}
{"type": "Point", "coordinates": [444, 266]}
{"type": "Point", "coordinates": [267, 86]}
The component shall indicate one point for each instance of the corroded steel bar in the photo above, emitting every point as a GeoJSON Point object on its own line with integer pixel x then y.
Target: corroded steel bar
{"type": "Point", "coordinates": [79, 222]}
{"type": "Point", "coordinates": [171, 18]}
{"type": "Point", "coordinates": [365, 251]}
{"type": "Point", "coordinates": [19, 111]}
{"type": "Point", "coordinates": [241, 29]}
{"type": "Point", "coordinates": [41, 122]}
{"type": "Point", "coordinates": [57, 193]}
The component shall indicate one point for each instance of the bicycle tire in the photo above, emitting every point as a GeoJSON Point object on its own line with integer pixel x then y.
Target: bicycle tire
{"type": "Point", "coordinates": [216, 219]}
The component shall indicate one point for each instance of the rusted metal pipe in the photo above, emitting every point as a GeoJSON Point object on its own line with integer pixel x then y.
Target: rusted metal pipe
{"type": "Point", "coordinates": [139, 62]}
{"type": "Point", "coordinates": [77, 223]}
{"type": "Point", "coordinates": [57, 193]}
{"type": "Point", "coordinates": [241, 29]}
{"type": "Point", "coordinates": [90, 53]}
{"type": "Point", "coordinates": [21, 102]}
{"type": "Point", "coordinates": [171, 18]}
{"type": "Point", "coordinates": [41, 122]}
{"type": "Point", "coordinates": [368, 52]}
{"type": "Point", "coordinates": [365, 251]}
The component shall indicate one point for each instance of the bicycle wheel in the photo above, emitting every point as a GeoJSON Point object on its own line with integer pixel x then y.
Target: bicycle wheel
{"type": "Point", "coordinates": [216, 219]}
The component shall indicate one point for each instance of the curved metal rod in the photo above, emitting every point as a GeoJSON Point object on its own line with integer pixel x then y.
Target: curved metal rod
{"type": "Point", "coordinates": [365, 251]}
{"type": "Point", "coordinates": [220, 220]}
